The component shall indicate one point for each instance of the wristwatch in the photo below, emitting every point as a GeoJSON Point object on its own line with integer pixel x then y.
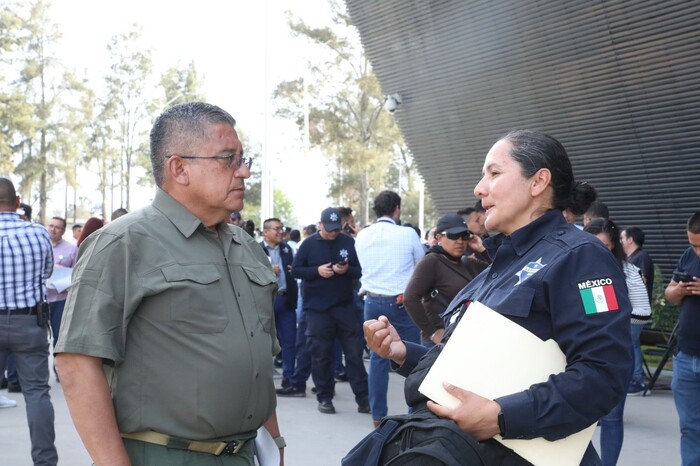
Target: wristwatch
{"type": "Point", "coordinates": [279, 441]}
{"type": "Point", "coordinates": [501, 423]}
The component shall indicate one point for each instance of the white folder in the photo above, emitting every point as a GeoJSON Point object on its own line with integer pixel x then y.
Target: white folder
{"type": "Point", "coordinates": [493, 356]}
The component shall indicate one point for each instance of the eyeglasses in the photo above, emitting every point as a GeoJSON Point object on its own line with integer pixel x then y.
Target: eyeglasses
{"type": "Point", "coordinates": [237, 161]}
{"type": "Point", "coordinates": [455, 236]}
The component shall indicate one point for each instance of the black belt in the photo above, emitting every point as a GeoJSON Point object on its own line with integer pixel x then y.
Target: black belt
{"type": "Point", "coordinates": [377, 295]}
{"type": "Point", "coordinates": [27, 311]}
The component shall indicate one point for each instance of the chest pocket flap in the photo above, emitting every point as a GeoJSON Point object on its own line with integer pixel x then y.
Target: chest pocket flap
{"type": "Point", "coordinates": [203, 274]}
{"type": "Point", "coordinates": [263, 284]}
{"type": "Point", "coordinates": [260, 275]}
{"type": "Point", "coordinates": [196, 298]}
{"type": "Point", "coordinates": [512, 302]}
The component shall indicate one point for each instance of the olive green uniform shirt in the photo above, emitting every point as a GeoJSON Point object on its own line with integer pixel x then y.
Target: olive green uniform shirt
{"type": "Point", "coordinates": [183, 318]}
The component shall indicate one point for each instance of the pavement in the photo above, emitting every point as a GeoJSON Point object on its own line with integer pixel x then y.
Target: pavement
{"type": "Point", "coordinates": [314, 439]}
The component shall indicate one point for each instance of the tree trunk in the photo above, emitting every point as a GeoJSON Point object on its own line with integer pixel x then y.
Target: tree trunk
{"type": "Point", "coordinates": [42, 179]}
{"type": "Point", "coordinates": [364, 197]}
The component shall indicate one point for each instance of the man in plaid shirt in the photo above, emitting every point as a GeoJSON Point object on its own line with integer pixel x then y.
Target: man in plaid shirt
{"type": "Point", "coordinates": [26, 260]}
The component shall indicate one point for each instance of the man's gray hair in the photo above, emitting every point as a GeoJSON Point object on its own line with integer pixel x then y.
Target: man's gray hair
{"type": "Point", "coordinates": [180, 129]}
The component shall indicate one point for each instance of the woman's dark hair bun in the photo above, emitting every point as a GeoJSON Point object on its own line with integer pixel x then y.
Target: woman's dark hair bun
{"type": "Point", "coordinates": [582, 196]}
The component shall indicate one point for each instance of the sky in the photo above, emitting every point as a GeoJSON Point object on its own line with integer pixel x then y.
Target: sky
{"type": "Point", "coordinates": [241, 48]}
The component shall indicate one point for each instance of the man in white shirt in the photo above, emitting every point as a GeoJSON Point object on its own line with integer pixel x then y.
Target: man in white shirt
{"type": "Point", "coordinates": [388, 253]}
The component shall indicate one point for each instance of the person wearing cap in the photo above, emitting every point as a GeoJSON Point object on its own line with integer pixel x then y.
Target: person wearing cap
{"type": "Point", "coordinates": [235, 219]}
{"type": "Point", "coordinates": [440, 275]}
{"type": "Point", "coordinates": [327, 263]}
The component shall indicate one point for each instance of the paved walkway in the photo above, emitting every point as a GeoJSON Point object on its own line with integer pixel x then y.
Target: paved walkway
{"type": "Point", "coordinates": [315, 439]}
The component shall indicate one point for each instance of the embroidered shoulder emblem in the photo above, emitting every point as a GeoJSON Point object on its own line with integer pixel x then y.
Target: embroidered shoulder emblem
{"type": "Point", "coordinates": [529, 270]}
{"type": "Point", "coordinates": [598, 295]}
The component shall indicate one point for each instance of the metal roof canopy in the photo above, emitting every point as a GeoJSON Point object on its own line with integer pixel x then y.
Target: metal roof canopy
{"type": "Point", "coordinates": [617, 82]}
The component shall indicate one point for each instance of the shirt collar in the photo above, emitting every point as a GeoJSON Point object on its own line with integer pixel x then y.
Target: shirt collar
{"type": "Point", "coordinates": [184, 220]}
{"type": "Point", "coordinates": [10, 215]}
{"type": "Point", "coordinates": [524, 238]}
{"type": "Point", "coordinates": [271, 247]}
{"type": "Point", "coordinates": [386, 219]}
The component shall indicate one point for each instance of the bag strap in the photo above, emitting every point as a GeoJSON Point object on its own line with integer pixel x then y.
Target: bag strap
{"type": "Point", "coordinates": [443, 260]}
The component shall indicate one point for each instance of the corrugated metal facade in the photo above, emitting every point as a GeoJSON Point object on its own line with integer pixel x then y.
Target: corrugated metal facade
{"type": "Point", "coordinates": [617, 82]}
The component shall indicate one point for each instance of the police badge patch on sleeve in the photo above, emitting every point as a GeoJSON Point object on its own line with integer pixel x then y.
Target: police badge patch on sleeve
{"type": "Point", "coordinates": [598, 295]}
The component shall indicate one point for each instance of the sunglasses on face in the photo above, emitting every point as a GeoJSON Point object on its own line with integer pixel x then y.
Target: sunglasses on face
{"type": "Point", "coordinates": [455, 236]}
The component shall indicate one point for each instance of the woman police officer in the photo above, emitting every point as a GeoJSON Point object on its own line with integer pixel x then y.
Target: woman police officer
{"type": "Point", "coordinates": [550, 278]}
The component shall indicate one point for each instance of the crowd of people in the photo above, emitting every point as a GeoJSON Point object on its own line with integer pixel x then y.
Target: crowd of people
{"type": "Point", "coordinates": [183, 304]}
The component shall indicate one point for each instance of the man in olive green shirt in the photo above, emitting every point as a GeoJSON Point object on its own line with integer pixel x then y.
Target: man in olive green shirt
{"type": "Point", "coordinates": [168, 330]}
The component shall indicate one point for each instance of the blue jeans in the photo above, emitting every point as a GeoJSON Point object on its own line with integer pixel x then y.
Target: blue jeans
{"type": "Point", "coordinates": [379, 368]}
{"type": "Point", "coordinates": [637, 372]}
{"type": "Point", "coordinates": [686, 394]}
{"type": "Point", "coordinates": [286, 324]}
{"type": "Point", "coordinates": [56, 312]}
{"type": "Point", "coordinates": [612, 433]}
{"type": "Point", "coordinates": [21, 336]}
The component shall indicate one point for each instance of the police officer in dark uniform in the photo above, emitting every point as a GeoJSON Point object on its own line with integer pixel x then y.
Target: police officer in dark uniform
{"type": "Point", "coordinates": [550, 278]}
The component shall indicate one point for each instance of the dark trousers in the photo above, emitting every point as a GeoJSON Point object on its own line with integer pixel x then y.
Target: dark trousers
{"type": "Point", "coordinates": [286, 325]}
{"type": "Point", "coordinates": [302, 369]}
{"type": "Point", "coordinates": [323, 328]}
{"type": "Point", "coordinates": [12, 377]}
{"type": "Point", "coordinates": [21, 336]}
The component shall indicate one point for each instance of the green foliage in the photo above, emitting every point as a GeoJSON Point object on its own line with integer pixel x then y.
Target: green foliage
{"type": "Point", "coordinates": [343, 102]}
{"type": "Point", "coordinates": [181, 85]}
{"type": "Point", "coordinates": [131, 68]}
{"type": "Point", "coordinates": [664, 315]}
{"type": "Point", "coordinates": [52, 123]}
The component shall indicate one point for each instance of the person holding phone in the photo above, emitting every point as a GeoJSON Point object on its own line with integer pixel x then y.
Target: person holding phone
{"type": "Point", "coordinates": [327, 264]}
{"type": "Point", "coordinates": [550, 278]}
{"type": "Point", "coordinates": [684, 290]}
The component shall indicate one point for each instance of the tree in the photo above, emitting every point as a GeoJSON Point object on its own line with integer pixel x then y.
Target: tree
{"type": "Point", "coordinates": [42, 80]}
{"type": "Point", "coordinates": [15, 113]}
{"type": "Point", "coordinates": [345, 114]}
{"type": "Point", "coordinates": [130, 69]}
{"type": "Point", "coordinates": [179, 85]}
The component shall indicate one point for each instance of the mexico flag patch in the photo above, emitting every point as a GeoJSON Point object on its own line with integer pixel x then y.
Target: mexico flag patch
{"type": "Point", "coordinates": [598, 295]}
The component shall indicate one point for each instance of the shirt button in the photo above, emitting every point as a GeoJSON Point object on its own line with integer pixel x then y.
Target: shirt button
{"type": "Point", "coordinates": [250, 416]}
{"type": "Point", "coordinates": [494, 275]}
{"type": "Point", "coordinates": [251, 334]}
{"type": "Point", "coordinates": [560, 232]}
{"type": "Point", "coordinates": [257, 375]}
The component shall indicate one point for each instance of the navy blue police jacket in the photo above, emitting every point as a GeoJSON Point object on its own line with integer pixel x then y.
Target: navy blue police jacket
{"type": "Point", "coordinates": [560, 283]}
{"type": "Point", "coordinates": [320, 294]}
{"type": "Point", "coordinates": [287, 257]}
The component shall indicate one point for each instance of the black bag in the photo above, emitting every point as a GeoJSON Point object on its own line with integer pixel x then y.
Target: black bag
{"type": "Point", "coordinates": [418, 439]}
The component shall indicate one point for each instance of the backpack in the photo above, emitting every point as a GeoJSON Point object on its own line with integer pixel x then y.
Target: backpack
{"type": "Point", "coordinates": [418, 439]}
